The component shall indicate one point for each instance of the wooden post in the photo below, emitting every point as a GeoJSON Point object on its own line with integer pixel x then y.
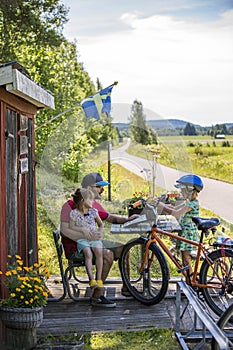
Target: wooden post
{"type": "Point", "coordinates": [109, 171]}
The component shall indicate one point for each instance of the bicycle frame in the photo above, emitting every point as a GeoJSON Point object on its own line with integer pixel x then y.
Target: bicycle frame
{"type": "Point", "coordinates": [201, 249]}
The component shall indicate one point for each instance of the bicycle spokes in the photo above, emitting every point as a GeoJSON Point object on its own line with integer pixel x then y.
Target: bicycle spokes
{"type": "Point", "coordinates": [217, 280]}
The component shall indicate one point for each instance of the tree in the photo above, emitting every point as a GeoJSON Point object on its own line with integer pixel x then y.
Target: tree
{"type": "Point", "coordinates": [139, 130]}
{"type": "Point", "coordinates": [31, 33]}
{"type": "Point", "coordinates": [34, 22]}
{"type": "Point", "coordinates": [189, 129]}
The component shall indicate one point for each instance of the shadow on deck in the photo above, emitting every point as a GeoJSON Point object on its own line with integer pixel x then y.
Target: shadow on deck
{"type": "Point", "coordinates": [68, 316]}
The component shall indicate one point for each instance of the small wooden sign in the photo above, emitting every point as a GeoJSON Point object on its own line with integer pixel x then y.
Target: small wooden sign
{"type": "Point", "coordinates": [23, 144]}
{"type": "Point", "coordinates": [23, 165]}
{"type": "Point", "coordinates": [23, 124]}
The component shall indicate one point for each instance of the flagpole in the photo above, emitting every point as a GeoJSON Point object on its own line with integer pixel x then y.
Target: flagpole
{"type": "Point", "coordinates": [57, 116]}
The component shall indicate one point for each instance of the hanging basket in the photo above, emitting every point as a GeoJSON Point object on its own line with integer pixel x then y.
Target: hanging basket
{"type": "Point", "coordinates": [21, 318]}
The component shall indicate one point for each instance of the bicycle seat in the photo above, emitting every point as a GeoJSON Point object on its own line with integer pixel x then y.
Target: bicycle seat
{"type": "Point", "coordinates": [205, 224]}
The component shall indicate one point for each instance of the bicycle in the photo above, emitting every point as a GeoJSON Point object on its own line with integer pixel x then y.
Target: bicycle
{"type": "Point", "coordinates": [145, 272]}
{"type": "Point", "coordinates": [225, 324]}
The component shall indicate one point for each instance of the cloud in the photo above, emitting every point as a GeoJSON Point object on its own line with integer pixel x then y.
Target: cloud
{"type": "Point", "coordinates": [177, 68]}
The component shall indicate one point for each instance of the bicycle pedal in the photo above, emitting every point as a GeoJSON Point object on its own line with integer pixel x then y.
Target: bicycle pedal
{"type": "Point", "coordinates": [185, 268]}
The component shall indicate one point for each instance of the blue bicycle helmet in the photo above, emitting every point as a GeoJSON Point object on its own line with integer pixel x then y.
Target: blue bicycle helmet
{"type": "Point", "coordinates": [191, 180]}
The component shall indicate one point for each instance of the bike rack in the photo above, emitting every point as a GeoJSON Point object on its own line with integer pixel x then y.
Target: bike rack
{"type": "Point", "coordinates": [205, 329]}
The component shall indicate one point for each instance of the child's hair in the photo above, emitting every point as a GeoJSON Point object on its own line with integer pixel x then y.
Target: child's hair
{"type": "Point", "coordinates": [82, 194]}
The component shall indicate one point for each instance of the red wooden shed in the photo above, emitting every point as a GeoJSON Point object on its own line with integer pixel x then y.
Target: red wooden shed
{"type": "Point", "coordinates": [20, 99]}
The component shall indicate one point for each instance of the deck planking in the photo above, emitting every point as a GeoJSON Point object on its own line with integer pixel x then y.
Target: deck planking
{"type": "Point", "coordinates": [68, 316]}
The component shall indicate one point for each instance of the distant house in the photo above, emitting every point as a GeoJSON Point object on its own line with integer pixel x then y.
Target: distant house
{"type": "Point", "coordinates": [220, 136]}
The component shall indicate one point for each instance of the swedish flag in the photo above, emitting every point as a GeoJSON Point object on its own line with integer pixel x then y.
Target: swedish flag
{"type": "Point", "coordinates": [99, 103]}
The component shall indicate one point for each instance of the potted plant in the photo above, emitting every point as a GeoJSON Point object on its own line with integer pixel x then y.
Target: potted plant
{"type": "Point", "coordinates": [136, 197]}
{"type": "Point", "coordinates": [22, 310]}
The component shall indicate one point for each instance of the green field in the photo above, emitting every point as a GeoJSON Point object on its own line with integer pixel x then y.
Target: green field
{"type": "Point", "coordinates": [202, 155]}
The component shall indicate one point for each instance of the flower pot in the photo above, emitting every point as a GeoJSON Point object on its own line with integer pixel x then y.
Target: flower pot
{"type": "Point", "coordinates": [21, 326]}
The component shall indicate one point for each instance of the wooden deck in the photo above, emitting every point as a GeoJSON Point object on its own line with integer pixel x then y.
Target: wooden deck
{"type": "Point", "coordinates": [68, 316]}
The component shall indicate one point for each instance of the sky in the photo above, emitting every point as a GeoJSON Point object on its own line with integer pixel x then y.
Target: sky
{"type": "Point", "coordinates": [174, 56]}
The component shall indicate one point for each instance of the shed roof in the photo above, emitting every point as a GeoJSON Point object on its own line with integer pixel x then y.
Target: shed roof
{"type": "Point", "coordinates": [17, 81]}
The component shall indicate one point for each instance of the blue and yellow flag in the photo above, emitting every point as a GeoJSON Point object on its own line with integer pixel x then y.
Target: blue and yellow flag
{"type": "Point", "coordinates": [99, 103]}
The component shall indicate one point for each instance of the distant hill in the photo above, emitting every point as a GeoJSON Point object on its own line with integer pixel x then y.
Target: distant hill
{"type": "Point", "coordinates": [169, 124]}
{"type": "Point", "coordinates": [160, 124]}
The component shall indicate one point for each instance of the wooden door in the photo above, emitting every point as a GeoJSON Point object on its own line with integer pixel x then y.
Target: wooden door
{"type": "Point", "coordinates": [11, 182]}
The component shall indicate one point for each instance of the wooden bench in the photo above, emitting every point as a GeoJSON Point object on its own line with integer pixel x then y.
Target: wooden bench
{"type": "Point", "coordinates": [200, 313]}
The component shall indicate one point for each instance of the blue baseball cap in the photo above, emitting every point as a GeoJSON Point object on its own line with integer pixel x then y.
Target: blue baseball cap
{"type": "Point", "coordinates": [93, 179]}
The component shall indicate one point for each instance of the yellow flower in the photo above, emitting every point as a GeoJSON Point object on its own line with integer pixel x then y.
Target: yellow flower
{"type": "Point", "coordinates": [9, 256]}
{"type": "Point", "coordinates": [26, 285]}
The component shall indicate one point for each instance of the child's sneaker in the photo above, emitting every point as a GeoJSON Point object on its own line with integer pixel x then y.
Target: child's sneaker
{"type": "Point", "coordinates": [93, 284]}
{"type": "Point", "coordinates": [100, 283]}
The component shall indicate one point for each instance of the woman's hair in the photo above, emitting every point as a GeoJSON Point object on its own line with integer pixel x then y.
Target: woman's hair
{"type": "Point", "coordinates": [82, 194]}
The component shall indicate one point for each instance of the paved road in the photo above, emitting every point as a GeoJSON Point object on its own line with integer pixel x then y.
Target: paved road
{"type": "Point", "coordinates": [217, 195]}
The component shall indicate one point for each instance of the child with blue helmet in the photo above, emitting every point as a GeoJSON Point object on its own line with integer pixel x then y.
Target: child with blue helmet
{"type": "Point", "coordinates": [190, 185]}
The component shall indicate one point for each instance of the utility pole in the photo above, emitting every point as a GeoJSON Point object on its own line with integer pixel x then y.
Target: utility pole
{"type": "Point", "coordinates": [155, 155]}
{"type": "Point", "coordinates": [147, 173]}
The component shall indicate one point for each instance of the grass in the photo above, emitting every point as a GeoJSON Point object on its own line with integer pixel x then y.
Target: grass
{"type": "Point", "coordinates": [160, 339]}
{"type": "Point", "coordinates": [200, 155]}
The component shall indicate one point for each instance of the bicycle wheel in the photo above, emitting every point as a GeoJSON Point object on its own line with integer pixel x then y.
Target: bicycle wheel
{"type": "Point", "coordinates": [218, 275]}
{"type": "Point", "coordinates": [225, 324]}
{"type": "Point", "coordinates": [150, 286]}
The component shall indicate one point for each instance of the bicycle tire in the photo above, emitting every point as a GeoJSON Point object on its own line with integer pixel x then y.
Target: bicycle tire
{"type": "Point", "coordinates": [225, 324]}
{"type": "Point", "coordinates": [217, 299]}
{"type": "Point", "coordinates": [150, 286]}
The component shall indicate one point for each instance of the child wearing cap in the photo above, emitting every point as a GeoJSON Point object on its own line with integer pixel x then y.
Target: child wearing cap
{"type": "Point", "coordinates": [85, 215]}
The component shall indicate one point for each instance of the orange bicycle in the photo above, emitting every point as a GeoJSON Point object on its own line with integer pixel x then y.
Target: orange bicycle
{"type": "Point", "coordinates": [145, 272]}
